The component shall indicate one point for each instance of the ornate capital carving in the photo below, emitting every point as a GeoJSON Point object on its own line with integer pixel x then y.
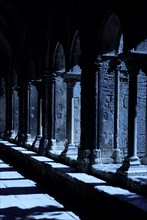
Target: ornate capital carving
{"type": "Point", "coordinates": [98, 62]}
{"type": "Point", "coordinates": [118, 64]}
{"type": "Point", "coordinates": [71, 78]}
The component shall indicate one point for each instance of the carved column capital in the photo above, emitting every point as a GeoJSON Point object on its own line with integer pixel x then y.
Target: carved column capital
{"type": "Point", "coordinates": [71, 78]}
{"type": "Point", "coordinates": [118, 64]}
{"type": "Point", "coordinates": [98, 62]}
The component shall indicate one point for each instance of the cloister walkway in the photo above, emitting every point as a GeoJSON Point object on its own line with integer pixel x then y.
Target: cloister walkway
{"type": "Point", "coordinates": [38, 187]}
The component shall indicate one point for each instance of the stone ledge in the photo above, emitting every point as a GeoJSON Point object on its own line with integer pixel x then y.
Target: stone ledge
{"type": "Point", "coordinates": [82, 185]}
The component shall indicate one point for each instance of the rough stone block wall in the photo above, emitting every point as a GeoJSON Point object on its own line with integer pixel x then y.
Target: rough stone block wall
{"type": "Point", "coordinates": [141, 112]}
{"type": "Point", "coordinates": [107, 135]}
{"type": "Point", "coordinates": [108, 112]}
{"type": "Point", "coordinates": [33, 112]}
{"type": "Point", "coordinates": [123, 114]}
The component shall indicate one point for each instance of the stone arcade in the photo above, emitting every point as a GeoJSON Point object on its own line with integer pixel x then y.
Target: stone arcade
{"type": "Point", "coordinates": [73, 84]}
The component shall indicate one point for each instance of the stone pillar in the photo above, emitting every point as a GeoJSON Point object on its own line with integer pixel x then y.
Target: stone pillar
{"type": "Point", "coordinates": [2, 109]}
{"type": "Point", "coordinates": [13, 134]}
{"type": "Point", "coordinates": [144, 158]}
{"type": "Point", "coordinates": [47, 142]}
{"type": "Point", "coordinates": [99, 107]}
{"type": "Point", "coordinates": [88, 152]}
{"type": "Point", "coordinates": [131, 164]}
{"type": "Point", "coordinates": [116, 155]}
{"type": "Point", "coordinates": [37, 140]}
{"type": "Point", "coordinates": [10, 131]}
{"type": "Point", "coordinates": [70, 79]}
{"type": "Point", "coordinates": [28, 133]}
{"type": "Point", "coordinates": [21, 136]}
{"type": "Point", "coordinates": [8, 128]}
{"type": "Point", "coordinates": [51, 111]}
{"type": "Point", "coordinates": [132, 158]}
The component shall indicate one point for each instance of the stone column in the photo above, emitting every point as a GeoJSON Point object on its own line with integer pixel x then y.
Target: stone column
{"type": "Point", "coordinates": [70, 79]}
{"type": "Point", "coordinates": [8, 128]}
{"type": "Point", "coordinates": [28, 133]}
{"type": "Point", "coordinates": [21, 136]}
{"type": "Point", "coordinates": [88, 152]}
{"type": "Point", "coordinates": [13, 134]}
{"type": "Point", "coordinates": [47, 142]}
{"type": "Point", "coordinates": [51, 111]}
{"type": "Point", "coordinates": [2, 109]}
{"type": "Point", "coordinates": [99, 107]}
{"type": "Point", "coordinates": [116, 155]}
{"type": "Point", "coordinates": [10, 109]}
{"type": "Point", "coordinates": [37, 140]}
{"type": "Point", "coordinates": [132, 158]}
{"type": "Point", "coordinates": [131, 163]}
{"type": "Point", "coordinates": [44, 142]}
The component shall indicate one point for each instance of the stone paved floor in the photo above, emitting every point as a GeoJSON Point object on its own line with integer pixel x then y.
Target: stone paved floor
{"type": "Point", "coordinates": [21, 198]}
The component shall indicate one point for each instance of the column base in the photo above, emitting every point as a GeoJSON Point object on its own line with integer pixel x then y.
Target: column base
{"type": "Point", "coordinates": [28, 141]}
{"type": "Point", "coordinates": [132, 161]}
{"type": "Point", "coordinates": [144, 160]}
{"type": "Point", "coordinates": [44, 147]}
{"type": "Point", "coordinates": [117, 156]}
{"type": "Point", "coordinates": [132, 171]}
{"type": "Point", "coordinates": [12, 134]}
{"type": "Point", "coordinates": [83, 160]}
{"type": "Point", "coordinates": [96, 157]}
{"type": "Point", "coordinates": [52, 145]}
{"type": "Point", "coordinates": [36, 143]}
{"type": "Point", "coordinates": [69, 150]}
{"type": "Point", "coordinates": [132, 167]}
{"type": "Point", "coordinates": [20, 139]}
{"type": "Point", "coordinates": [7, 135]}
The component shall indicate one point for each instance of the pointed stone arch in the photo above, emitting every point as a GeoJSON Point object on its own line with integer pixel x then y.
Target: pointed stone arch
{"type": "Point", "coordinates": [59, 58]}
{"type": "Point", "coordinates": [74, 76]}
{"type": "Point", "coordinates": [110, 37]}
{"type": "Point", "coordinates": [75, 53]}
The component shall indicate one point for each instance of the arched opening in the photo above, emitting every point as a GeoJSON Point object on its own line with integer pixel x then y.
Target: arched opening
{"type": "Point", "coordinates": [75, 72]}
